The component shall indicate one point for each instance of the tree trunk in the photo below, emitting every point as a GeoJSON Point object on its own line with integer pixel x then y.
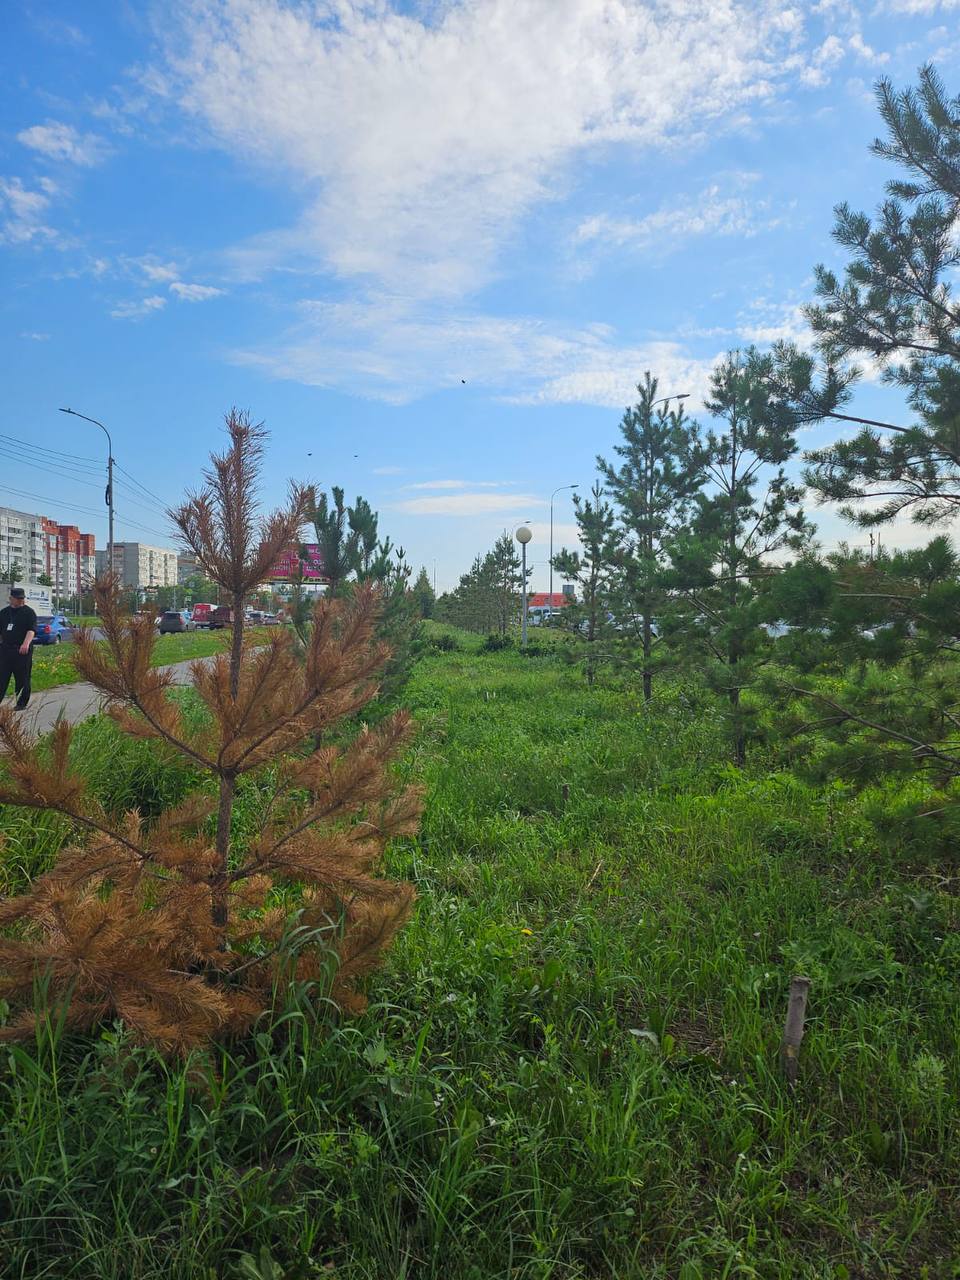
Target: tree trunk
{"type": "Point", "coordinates": [739, 737]}
{"type": "Point", "coordinates": [218, 881]}
{"type": "Point", "coordinates": [647, 648]}
{"type": "Point", "coordinates": [236, 646]}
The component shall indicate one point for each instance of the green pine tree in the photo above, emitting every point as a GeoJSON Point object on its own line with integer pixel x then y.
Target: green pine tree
{"type": "Point", "coordinates": [595, 571]}
{"type": "Point", "coordinates": [424, 595]}
{"type": "Point", "coordinates": [894, 308]}
{"type": "Point", "coordinates": [654, 485]}
{"type": "Point", "coordinates": [749, 512]}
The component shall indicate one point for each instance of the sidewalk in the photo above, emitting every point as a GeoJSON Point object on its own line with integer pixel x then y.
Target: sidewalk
{"type": "Point", "coordinates": [76, 702]}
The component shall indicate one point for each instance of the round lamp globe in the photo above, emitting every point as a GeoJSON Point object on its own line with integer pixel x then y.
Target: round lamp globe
{"type": "Point", "coordinates": [523, 534]}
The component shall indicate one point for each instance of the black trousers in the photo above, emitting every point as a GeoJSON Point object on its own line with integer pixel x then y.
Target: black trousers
{"type": "Point", "coordinates": [19, 665]}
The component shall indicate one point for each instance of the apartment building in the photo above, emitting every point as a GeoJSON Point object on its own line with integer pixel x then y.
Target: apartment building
{"type": "Point", "coordinates": [187, 566]}
{"type": "Point", "coordinates": [70, 557]}
{"type": "Point", "coordinates": [23, 543]}
{"type": "Point", "coordinates": [136, 564]}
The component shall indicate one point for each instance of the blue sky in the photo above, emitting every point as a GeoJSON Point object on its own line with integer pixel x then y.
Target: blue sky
{"type": "Point", "coordinates": [433, 245]}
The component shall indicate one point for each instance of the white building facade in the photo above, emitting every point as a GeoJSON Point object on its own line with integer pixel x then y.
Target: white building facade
{"type": "Point", "coordinates": [137, 564]}
{"type": "Point", "coordinates": [22, 543]}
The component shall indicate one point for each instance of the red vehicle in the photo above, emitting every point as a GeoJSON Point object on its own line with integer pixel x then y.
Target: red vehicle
{"type": "Point", "coordinates": [221, 616]}
{"type": "Point", "coordinates": [201, 614]}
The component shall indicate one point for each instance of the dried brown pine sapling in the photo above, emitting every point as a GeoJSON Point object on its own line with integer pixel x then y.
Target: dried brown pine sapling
{"type": "Point", "coordinates": [169, 925]}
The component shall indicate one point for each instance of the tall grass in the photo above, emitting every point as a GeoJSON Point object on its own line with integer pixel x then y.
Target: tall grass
{"type": "Point", "coordinates": [568, 1069]}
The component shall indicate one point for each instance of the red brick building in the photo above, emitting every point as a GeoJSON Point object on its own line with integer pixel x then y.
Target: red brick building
{"type": "Point", "coordinates": [69, 557]}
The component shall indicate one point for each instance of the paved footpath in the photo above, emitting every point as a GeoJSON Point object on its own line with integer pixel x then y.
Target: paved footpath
{"type": "Point", "coordinates": [76, 702]}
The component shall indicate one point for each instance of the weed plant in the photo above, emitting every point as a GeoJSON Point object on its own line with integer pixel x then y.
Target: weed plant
{"type": "Point", "coordinates": [569, 1067]}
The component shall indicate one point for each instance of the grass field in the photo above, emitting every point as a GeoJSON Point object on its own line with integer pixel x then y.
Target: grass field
{"type": "Point", "coordinates": [53, 664]}
{"type": "Point", "coordinates": [569, 1068]}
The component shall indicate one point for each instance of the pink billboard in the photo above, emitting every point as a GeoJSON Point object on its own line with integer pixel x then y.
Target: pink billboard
{"type": "Point", "coordinates": [288, 566]}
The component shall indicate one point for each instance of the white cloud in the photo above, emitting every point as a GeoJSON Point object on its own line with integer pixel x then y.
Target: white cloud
{"type": "Point", "coordinates": [459, 484]}
{"type": "Point", "coordinates": [395, 351]}
{"type": "Point", "coordinates": [388, 471]}
{"type": "Point", "coordinates": [62, 142]}
{"type": "Point", "coordinates": [22, 211]}
{"type": "Point", "coordinates": [913, 7]}
{"type": "Point", "coordinates": [194, 292]}
{"type": "Point", "coordinates": [419, 144]}
{"type": "Point", "coordinates": [829, 53]}
{"type": "Point", "coordinates": [36, 337]}
{"type": "Point", "coordinates": [865, 52]}
{"type": "Point", "coordinates": [470, 504]}
{"type": "Point", "coordinates": [768, 322]}
{"type": "Point", "coordinates": [138, 309]}
{"type": "Point", "coordinates": [712, 212]}
{"type": "Point", "coordinates": [158, 272]}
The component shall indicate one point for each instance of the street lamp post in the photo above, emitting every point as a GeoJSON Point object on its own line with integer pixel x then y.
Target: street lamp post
{"type": "Point", "coordinates": [96, 422]}
{"type": "Point", "coordinates": [523, 536]}
{"type": "Point", "coordinates": [552, 496]}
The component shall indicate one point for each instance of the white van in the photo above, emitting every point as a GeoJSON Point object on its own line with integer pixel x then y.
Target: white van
{"type": "Point", "coordinates": [40, 599]}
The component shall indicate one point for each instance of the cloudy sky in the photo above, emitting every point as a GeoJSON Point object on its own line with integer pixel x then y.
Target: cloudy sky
{"type": "Point", "coordinates": [434, 244]}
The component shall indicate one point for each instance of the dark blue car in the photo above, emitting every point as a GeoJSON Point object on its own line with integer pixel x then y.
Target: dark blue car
{"type": "Point", "coordinates": [52, 628]}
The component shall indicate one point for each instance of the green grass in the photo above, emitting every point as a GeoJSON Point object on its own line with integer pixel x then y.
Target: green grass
{"type": "Point", "coordinates": [53, 664]}
{"type": "Point", "coordinates": [569, 1068]}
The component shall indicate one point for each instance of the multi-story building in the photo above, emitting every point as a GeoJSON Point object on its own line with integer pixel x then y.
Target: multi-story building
{"type": "Point", "coordinates": [70, 557]}
{"type": "Point", "coordinates": [22, 543]}
{"type": "Point", "coordinates": [138, 565]}
{"type": "Point", "coordinates": [187, 566]}
{"type": "Point", "coordinates": [38, 547]}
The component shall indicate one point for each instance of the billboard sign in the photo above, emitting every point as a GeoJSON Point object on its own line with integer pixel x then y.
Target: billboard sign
{"type": "Point", "coordinates": [288, 566]}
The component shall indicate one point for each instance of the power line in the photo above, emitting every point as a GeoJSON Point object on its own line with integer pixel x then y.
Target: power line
{"type": "Point", "coordinates": [131, 494]}
{"type": "Point", "coordinates": [39, 448]}
{"type": "Point", "coordinates": [50, 470]}
{"type": "Point", "coordinates": [39, 497]}
{"type": "Point", "coordinates": [147, 491]}
{"type": "Point", "coordinates": [20, 450]}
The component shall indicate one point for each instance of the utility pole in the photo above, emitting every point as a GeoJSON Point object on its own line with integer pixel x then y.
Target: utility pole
{"type": "Point", "coordinates": [109, 493]}
{"type": "Point", "coordinates": [552, 496]}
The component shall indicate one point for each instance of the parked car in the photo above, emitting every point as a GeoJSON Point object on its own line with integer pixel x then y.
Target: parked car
{"type": "Point", "coordinates": [173, 620]}
{"type": "Point", "coordinates": [52, 628]}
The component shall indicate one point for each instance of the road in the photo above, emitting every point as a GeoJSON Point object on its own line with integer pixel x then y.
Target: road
{"type": "Point", "coordinates": [78, 702]}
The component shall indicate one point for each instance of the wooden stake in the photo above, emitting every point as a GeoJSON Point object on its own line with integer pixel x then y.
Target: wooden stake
{"type": "Point", "coordinates": [793, 1028]}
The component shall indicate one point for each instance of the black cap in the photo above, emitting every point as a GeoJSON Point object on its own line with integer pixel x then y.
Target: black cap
{"type": "Point", "coordinates": [17, 593]}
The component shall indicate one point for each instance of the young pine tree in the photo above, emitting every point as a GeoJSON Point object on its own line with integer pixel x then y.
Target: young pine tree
{"type": "Point", "coordinates": [750, 512]}
{"type": "Point", "coordinates": [504, 568]}
{"type": "Point", "coordinates": [895, 309]}
{"type": "Point", "coordinates": [339, 544]}
{"type": "Point", "coordinates": [172, 925]}
{"type": "Point", "coordinates": [660, 472]}
{"type": "Point", "coordinates": [594, 569]}
{"type": "Point", "coordinates": [423, 594]}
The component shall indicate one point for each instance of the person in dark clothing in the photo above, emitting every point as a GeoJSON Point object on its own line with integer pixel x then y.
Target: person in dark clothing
{"type": "Point", "coordinates": [18, 626]}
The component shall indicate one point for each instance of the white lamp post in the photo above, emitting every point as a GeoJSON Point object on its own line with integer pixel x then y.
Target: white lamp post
{"type": "Point", "coordinates": [523, 536]}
